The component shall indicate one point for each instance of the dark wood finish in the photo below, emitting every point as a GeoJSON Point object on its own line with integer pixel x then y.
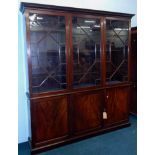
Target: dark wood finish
{"type": "Point", "coordinates": [80, 137]}
{"type": "Point", "coordinates": [71, 52]}
{"type": "Point", "coordinates": [103, 51]}
{"type": "Point", "coordinates": [49, 119]}
{"type": "Point", "coordinates": [134, 54]}
{"type": "Point", "coordinates": [28, 51]}
{"type": "Point", "coordinates": [46, 12]}
{"type": "Point", "coordinates": [134, 30]}
{"type": "Point", "coordinates": [129, 53]}
{"type": "Point", "coordinates": [48, 95]}
{"type": "Point", "coordinates": [24, 6]}
{"type": "Point", "coordinates": [117, 102]}
{"type": "Point", "coordinates": [64, 116]}
{"type": "Point", "coordinates": [133, 99]}
{"type": "Point", "coordinates": [133, 93]}
{"type": "Point", "coordinates": [129, 45]}
{"type": "Point", "coordinates": [87, 114]}
{"type": "Point", "coordinates": [68, 49]}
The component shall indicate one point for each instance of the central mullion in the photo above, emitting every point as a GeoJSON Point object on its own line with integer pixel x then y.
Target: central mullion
{"type": "Point", "coordinates": [68, 50]}
{"type": "Point", "coordinates": [103, 50]}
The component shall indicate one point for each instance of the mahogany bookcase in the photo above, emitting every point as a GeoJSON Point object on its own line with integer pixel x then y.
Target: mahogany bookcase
{"type": "Point", "coordinates": [79, 73]}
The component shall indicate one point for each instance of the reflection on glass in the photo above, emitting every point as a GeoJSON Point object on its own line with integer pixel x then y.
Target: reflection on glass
{"type": "Point", "coordinates": [117, 50]}
{"type": "Point", "coordinates": [47, 38]}
{"type": "Point", "coordinates": [86, 52]}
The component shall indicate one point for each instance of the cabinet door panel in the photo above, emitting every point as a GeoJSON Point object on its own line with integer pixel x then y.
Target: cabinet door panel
{"type": "Point", "coordinates": [116, 105]}
{"type": "Point", "coordinates": [117, 33]}
{"type": "Point", "coordinates": [49, 119]}
{"type": "Point", "coordinates": [86, 39]}
{"type": "Point", "coordinates": [86, 112]}
{"type": "Point", "coordinates": [48, 52]}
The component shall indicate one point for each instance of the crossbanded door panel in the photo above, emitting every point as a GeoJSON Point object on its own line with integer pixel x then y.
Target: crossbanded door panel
{"type": "Point", "coordinates": [49, 119]}
{"type": "Point", "coordinates": [87, 114]}
{"type": "Point", "coordinates": [117, 107]}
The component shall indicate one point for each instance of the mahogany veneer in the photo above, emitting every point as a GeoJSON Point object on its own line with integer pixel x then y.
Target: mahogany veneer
{"type": "Point", "coordinates": [87, 111]}
{"type": "Point", "coordinates": [79, 73]}
{"type": "Point", "coordinates": [117, 105]}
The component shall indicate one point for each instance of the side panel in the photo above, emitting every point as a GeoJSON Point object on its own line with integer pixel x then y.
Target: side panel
{"type": "Point", "coordinates": [133, 99]}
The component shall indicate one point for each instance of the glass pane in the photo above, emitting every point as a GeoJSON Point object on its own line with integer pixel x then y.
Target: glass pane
{"type": "Point", "coordinates": [117, 50]}
{"type": "Point", "coordinates": [86, 52]}
{"type": "Point", "coordinates": [47, 40]}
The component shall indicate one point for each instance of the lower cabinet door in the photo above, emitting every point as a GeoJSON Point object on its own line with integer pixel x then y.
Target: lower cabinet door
{"type": "Point", "coordinates": [49, 119]}
{"type": "Point", "coordinates": [116, 106]}
{"type": "Point", "coordinates": [86, 111]}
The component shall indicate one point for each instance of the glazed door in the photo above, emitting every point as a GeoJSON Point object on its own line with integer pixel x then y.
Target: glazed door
{"type": "Point", "coordinates": [49, 119]}
{"type": "Point", "coordinates": [86, 49]}
{"type": "Point", "coordinates": [87, 111]}
{"type": "Point", "coordinates": [116, 106]}
{"type": "Point", "coordinates": [48, 52]}
{"type": "Point", "coordinates": [117, 50]}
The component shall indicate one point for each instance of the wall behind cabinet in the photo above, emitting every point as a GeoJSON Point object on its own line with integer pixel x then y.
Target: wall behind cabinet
{"type": "Point", "coordinates": [22, 84]}
{"type": "Point", "coordinates": [125, 6]}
